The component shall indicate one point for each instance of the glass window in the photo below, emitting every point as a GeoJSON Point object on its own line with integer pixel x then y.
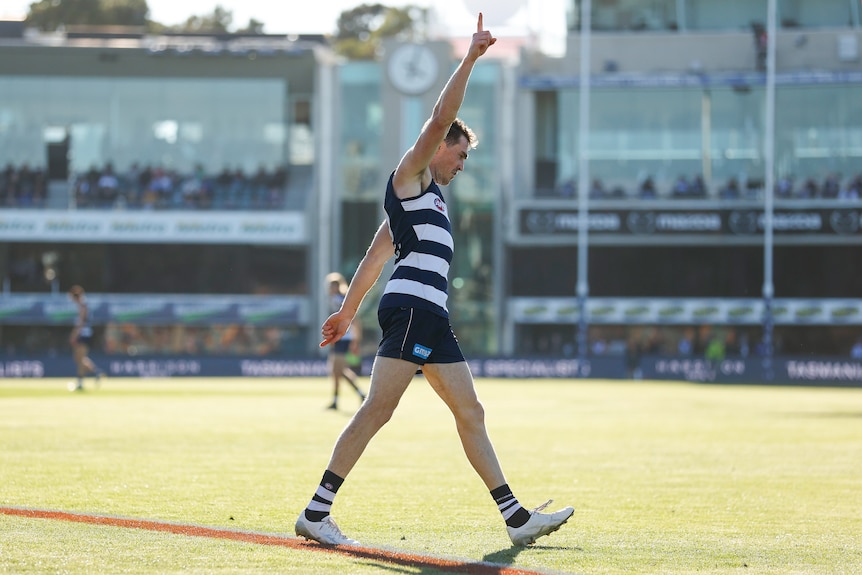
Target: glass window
{"type": "Point", "coordinates": [818, 140]}
{"type": "Point", "coordinates": [167, 122]}
{"type": "Point", "coordinates": [808, 14]}
{"type": "Point", "coordinates": [472, 198]}
{"type": "Point", "coordinates": [361, 125]}
{"type": "Point", "coordinates": [359, 177]}
{"type": "Point", "coordinates": [724, 15]}
{"type": "Point", "coordinates": [650, 140]}
{"type": "Point", "coordinates": [735, 134]}
{"type": "Point", "coordinates": [637, 15]}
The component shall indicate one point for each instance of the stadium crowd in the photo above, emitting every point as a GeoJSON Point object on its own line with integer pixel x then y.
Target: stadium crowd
{"type": "Point", "coordinates": [157, 188]}
{"type": "Point", "coordinates": [685, 187]}
{"type": "Point", "coordinates": [23, 187]}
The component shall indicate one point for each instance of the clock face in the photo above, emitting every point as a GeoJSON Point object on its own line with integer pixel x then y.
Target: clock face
{"type": "Point", "coordinates": [412, 68]}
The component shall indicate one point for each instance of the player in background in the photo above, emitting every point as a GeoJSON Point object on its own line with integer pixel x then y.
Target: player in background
{"type": "Point", "coordinates": [338, 366]}
{"type": "Point", "coordinates": [415, 320]}
{"type": "Point", "coordinates": [80, 340]}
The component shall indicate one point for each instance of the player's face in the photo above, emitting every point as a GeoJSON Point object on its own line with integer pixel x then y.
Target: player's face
{"type": "Point", "coordinates": [450, 160]}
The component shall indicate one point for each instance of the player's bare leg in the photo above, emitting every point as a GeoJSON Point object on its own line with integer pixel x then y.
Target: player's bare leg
{"type": "Point", "coordinates": [453, 382]}
{"type": "Point", "coordinates": [389, 379]}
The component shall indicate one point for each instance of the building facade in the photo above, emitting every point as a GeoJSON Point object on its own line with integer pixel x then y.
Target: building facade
{"type": "Point", "coordinates": [201, 188]}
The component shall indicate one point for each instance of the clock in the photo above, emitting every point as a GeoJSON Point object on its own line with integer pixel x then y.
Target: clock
{"type": "Point", "coordinates": [412, 68]}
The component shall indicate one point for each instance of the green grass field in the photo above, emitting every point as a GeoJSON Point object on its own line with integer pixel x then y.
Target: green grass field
{"type": "Point", "coordinates": [665, 478]}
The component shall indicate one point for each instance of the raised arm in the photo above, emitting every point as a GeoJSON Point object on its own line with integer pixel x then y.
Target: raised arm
{"type": "Point", "coordinates": [369, 270]}
{"type": "Point", "coordinates": [412, 174]}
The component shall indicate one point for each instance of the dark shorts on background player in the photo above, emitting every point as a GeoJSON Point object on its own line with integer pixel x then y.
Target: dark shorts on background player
{"type": "Point", "coordinates": [341, 346]}
{"type": "Point", "coordinates": [417, 336]}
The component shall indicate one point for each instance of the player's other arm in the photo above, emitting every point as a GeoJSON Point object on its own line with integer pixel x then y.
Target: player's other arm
{"type": "Point", "coordinates": [369, 270]}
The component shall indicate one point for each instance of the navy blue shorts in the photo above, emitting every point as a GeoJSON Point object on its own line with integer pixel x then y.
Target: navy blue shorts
{"type": "Point", "coordinates": [417, 336]}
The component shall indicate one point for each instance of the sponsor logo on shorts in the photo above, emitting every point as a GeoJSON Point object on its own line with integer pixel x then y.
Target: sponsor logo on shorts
{"type": "Point", "coordinates": [421, 351]}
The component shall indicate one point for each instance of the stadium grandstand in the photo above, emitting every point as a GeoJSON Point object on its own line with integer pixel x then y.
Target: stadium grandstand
{"type": "Point", "coordinates": [702, 223]}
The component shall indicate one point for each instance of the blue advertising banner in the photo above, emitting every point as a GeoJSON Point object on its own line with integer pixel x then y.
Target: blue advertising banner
{"type": "Point", "coordinates": [781, 371]}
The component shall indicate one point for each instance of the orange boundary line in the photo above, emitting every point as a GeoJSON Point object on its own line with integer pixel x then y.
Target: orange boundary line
{"type": "Point", "coordinates": [393, 557]}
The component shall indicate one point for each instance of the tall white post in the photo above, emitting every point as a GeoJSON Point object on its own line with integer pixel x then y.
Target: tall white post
{"type": "Point", "coordinates": [768, 192]}
{"type": "Point", "coordinates": [583, 286]}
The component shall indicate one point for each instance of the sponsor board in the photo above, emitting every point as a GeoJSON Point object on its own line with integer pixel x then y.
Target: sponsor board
{"type": "Point", "coordinates": [685, 311]}
{"type": "Point", "coordinates": [183, 309]}
{"type": "Point", "coordinates": [780, 371]}
{"type": "Point", "coordinates": [271, 228]}
{"type": "Point", "coordinates": [673, 221]}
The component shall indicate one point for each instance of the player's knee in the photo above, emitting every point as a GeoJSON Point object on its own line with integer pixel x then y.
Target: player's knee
{"type": "Point", "coordinates": [472, 413]}
{"type": "Point", "coordinates": [377, 410]}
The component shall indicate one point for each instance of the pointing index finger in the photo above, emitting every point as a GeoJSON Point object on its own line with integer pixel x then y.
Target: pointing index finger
{"type": "Point", "coordinates": [479, 25]}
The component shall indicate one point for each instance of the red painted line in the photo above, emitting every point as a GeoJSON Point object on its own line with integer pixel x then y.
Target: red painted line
{"type": "Point", "coordinates": [393, 557]}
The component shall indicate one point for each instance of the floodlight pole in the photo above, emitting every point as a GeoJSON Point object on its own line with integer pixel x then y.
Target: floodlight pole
{"type": "Point", "coordinates": [583, 286]}
{"type": "Point", "coordinates": [769, 193]}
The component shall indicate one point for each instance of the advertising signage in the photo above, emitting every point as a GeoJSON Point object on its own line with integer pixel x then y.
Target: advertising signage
{"type": "Point", "coordinates": [254, 228]}
{"type": "Point", "coordinates": [157, 310]}
{"type": "Point", "coordinates": [739, 222]}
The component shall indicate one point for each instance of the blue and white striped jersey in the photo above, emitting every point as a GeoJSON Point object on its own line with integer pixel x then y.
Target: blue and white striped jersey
{"type": "Point", "coordinates": [422, 235]}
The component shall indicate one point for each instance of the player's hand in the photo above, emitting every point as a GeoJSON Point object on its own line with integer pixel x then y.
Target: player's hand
{"type": "Point", "coordinates": [482, 40]}
{"type": "Point", "coordinates": [334, 328]}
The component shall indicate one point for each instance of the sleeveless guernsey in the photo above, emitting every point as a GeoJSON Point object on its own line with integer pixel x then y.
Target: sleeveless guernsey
{"type": "Point", "coordinates": [422, 235]}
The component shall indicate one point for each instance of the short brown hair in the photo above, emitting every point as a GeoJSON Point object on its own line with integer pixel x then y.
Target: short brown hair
{"type": "Point", "coordinates": [458, 129]}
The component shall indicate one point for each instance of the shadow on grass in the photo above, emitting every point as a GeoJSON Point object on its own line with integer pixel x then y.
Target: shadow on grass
{"type": "Point", "coordinates": [507, 556]}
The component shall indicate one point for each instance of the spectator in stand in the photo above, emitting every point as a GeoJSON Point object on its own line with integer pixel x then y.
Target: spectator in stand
{"type": "Point", "coordinates": [597, 190]}
{"type": "Point", "coordinates": [223, 183]}
{"type": "Point", "coordinates": [831, 186]}
{"type": "Point", "coordinates": [647, 189]}
{"type": "Point", "coordinates": [152, 188]}
{"type": "Point", "coordinates": [162, 188]}
{"type": "Point", "coordinates": [237, 189]}
{"type": "Point", "coordinates": [698, 187]}
{"type": "Point", "coordinates": [28, 187]}
{"type": "Point", "coordinates": [760, 45]}
{"type": "Point", "coordinates": [809, 190]}
{"type": "Point", "coordinates": [853, 189]}
{"type": "Point", "coordinates": [107, 187]}
{"type": "Point", "coordinates": [715, 350]}
{"type": "Point", "coordinates": [681, 188]}
{"type": "Point", "coordinates": [278, 185]}
{"type": "Point", "coordinates": [258, 189]}
{"type": "Point", "coordinates": [784, 187]}
{"type": "Point", "coordinates": [6, 177]}
{"type": "Point", "coordinates": [731, 190]}
{"type": "Point", "coordinates": [194, 194]}
{"type": "Point", "coordinates": [86, 188]}
{"type": "Point", "coordinates": [685, 346]}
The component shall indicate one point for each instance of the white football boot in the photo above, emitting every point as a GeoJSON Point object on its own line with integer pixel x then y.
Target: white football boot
{"type": "Point", "coordinates": [539, 524]}
{"type": "Point", "coordinates": [326, 531]}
